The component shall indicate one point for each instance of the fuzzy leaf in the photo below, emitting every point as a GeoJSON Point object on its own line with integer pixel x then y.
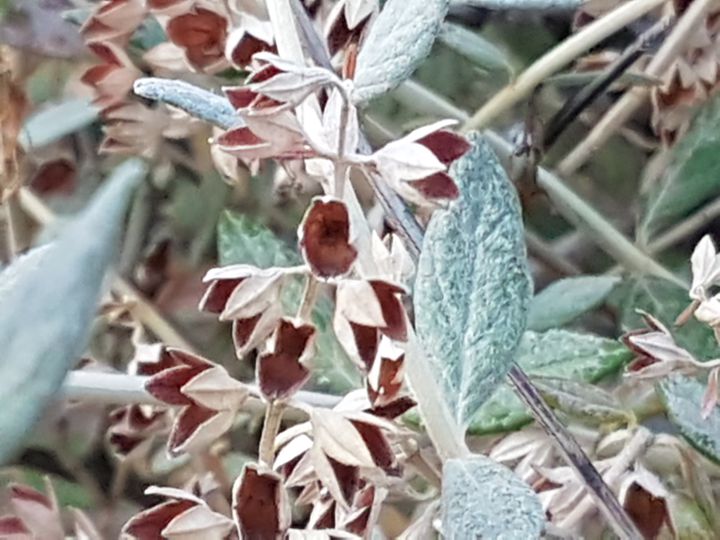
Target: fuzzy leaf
{"type": "Point", "coordinates": [45, 318]}
{"type": "Point", "coordinates": [683, 398]}
{"type": "Point", "coordinates": [473, 287]}
{"type": "Point", "coordinates": [483, 499]}
{"type": "Point", "coordinates": [692, 178]}
{"type": "Point", "coordinates": [399, 39]}
{"type": "Point", "coordinates": [240, 241]}
{"type": "Point", "coordinates": [478, 50]}
{"type": "Point", "coordinates": [666, 301]}
{"type": "Point", "coordinates": [57, 121]}
{"type": "Point", "coordinates": [568, 298]}
{"type": "Point", "coordinates": [555, 353]}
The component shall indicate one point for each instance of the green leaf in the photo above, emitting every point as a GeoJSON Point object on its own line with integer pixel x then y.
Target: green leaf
{"type": "Point", "coordinates": [57, 121]}
{"type": "Point", "coordinates": [472, 287]}
{"type": "Point", "coordinates": [476, 49]}
{"type": "Point", "coordinates": [566, 299]}
{"type": "Point", "coordinates": [582, 401]}
{"type": "Point", "coordinates": [399, 40]}
{"type": "Point", "coordinates": [692, 178]}
{"type": "Point", "coordinates": [45, 316]}
{"type": "Point", "coordinates": [241, 240]}
{"type": "Point", "coordinates": [688, 520]}
{"type": "Point", "coordinates": [683, 398]}
{"type": "Point", "coordinates": [555, 353]}
{"type": "Point", "coordinates": [666, 301]}
{"type": "Point", "coordinates": [483, 499]}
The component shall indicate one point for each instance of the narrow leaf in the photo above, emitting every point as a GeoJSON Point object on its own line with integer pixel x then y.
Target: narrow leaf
{"type": "Point", "coordinates": [45, 317]}
{"type": "Point", "coordinates": [57, 121]}
{"type": "Point", "coordinates": [483, 499]}
{"type": "Point", "coordinates": [399, 39]}
{"type": "Point", "coordinates": [555, 353]}
{"type": "Point", "coordinates": [567, 299]}
{"type": "Point", "coordinates": [692, 178]}
{"type": "Point", "coordinates": [472, 287]}
{"type": "Point", "coordinates": [683, 397]}
{"type": "Point", "coordinates": [666, 301]}
{"type": "Point", "coordinates": [476, 49]}
{"type": "Point", "coordinates": [241, 241]}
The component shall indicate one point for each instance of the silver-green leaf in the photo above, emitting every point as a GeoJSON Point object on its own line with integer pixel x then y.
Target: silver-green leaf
{"type": "Point", "coordinates": [566, 299]}
{"type": "Point", "coordinates": [683, 399]}
{"type": "Point", "coordinates": [46, 313]}
{"type": "Point", "coordinates": [473, 288]}
{"type": "Point", "coordinates": [55, 122]}
{"type": "Point", "coordinates": [555, 353]}
{"type": "Point", "coordinates": [483, 499]}
{"type": "Point", "coordinates": [399, 39]}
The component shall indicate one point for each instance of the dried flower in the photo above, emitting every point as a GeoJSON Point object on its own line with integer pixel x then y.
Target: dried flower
{"type": "Point", "coordinates": [207, 395]}
{"type": "Point", "coordinates": [113, 79]}
{"type": "Point", "coordinates": [260, 505]}
{"type": "Point", "coordinates": [183, 516]}
{"type": "Point", "coordinates": [324, 237]}
{"type": "Point", "coordinates": [201, 33]}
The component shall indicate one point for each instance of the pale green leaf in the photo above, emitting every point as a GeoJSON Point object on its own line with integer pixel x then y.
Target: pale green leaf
{"type": "Point", "coordinates": [666, 301]}
{"type": "Point", "coordinates": [55, 122]}
{"type": "Point", "coordinates": [568, 298]}
{"type": "Point", "coordinates": [241, 240]}
{"type": "Point", "coordinates": [555, 353]}
{"type": "Point", "coordinates": [688, 520]}
{"type": "Point", "coordinates": [478, 50]}
{"type": "Point", "coordinates": [692, 178]}
{"type": "Point", "coordinates": [683, 399]}
{"type": "Point", "coordinates": [400, 38]}
{"type": "Point", "coordinates": [45, 316]}
{"type": "Point", "coordinates": [472, 287]}
{"type": "Point", "coordinates": [483, 499]}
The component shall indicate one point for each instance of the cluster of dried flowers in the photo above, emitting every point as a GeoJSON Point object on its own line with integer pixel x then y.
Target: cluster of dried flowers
{"type": "Point", "coordinates": [343, 462]}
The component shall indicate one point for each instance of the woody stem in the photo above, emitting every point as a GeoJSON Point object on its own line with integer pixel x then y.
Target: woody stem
{"type": "Point", "coordinates": [271, 427]}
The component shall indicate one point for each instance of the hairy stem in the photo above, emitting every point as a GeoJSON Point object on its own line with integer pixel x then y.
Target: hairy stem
{"type": "Point", "coordinates": [310, 293]}
{"type": "Point", "coordinates": [271, 428]}
{"type": "Point", "coordinates": [559, 57]}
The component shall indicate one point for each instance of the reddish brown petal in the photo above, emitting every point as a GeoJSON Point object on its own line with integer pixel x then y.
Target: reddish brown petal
{"type": "Point", "coordinates": [12, 527]}
{"type": "Point", "coordinates": [202, 34]}
{"type": "Point", "coordinates": [217, 294]}
{"type": "Point", "coordinates": [239, 96]}
{"type": "Point", "coordinates": [166, 385]}
{"type": "Point", "coordinates": [148, 525]}
{"type": "Point", "coordinates": [348, 478]}
{"type": "Point", "coordinates": [188, 359]}
{"type": "Point", "coordinates": [390, 381]}
{"type": "Point", "coordinates": [245, 48]}
{"type": "Point", "coordinates": [648, 512]}
{"type": "Point", "coordinates": [281, 373]}
{"type": "Point", "coordinates": [122, 444]}
{"type": "Point", "coordinates": [22, 493]}
{"type": "Point", "coordinates": [392, 309]}
{"type": "Point", "coordinates": [377, 443]}
{"type": "Point", "coordinates": [55, 177]}
{"type": "Point", "coordinates": [259, 505]}
{"type": "Point", "coordinates": [446, 145]}
{"type": "Point", "coordinates": [243, 329]}
{"type": "Point", "coordinates": [186, 424]}
{"type": "Point", "coordinates": [393, 410]}
{"type": "Point", "coordinates": [438, 186]}
{"type": "Point", "coordinates": [106, 53]}
{"type": "Point", "coordinates": [325, 238]}
{"type": "Point", "coordinates": [239, 137]}
{"type": "Point", "coordinates": [367, 339]}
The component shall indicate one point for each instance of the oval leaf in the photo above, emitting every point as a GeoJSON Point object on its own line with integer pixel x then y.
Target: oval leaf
{"type": "Point", "coordinates": [692, 178]}
{"type": "Point", "coordinates": [683, 399]}
{"type": "Point", "coordinates": [483, 499]}
{"type": "Point", "coordinates": [45, 317]}
{"type": "Point", "coordinates": [473, 287]}
{"type": "Point", "coordinates": [399, 39]}
{"type": "Point", "coordinates": [568, 298]}
{"type": "Point", "coordinates": [556, 353]}
{"type": "Point", "coordinates": [478, 50]}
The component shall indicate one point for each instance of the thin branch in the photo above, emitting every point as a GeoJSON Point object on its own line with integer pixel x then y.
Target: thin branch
{"type": "Point", "coordinates": [559, 57]}
{"type": "Point", "coordinates": [542, 251]}
{"type": "Point", "coordinates": [634, 98]}
{"type": "Point", "coordinates": [271, 428]}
